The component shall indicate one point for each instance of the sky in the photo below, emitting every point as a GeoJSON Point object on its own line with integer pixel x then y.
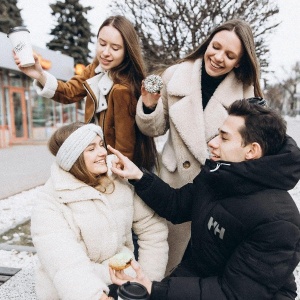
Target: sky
{"type": "Point", "coordinates": [284, 42]}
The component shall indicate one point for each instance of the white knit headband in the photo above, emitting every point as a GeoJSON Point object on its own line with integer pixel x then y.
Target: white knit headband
{"type": "Point", "coordinates": [75, 144]}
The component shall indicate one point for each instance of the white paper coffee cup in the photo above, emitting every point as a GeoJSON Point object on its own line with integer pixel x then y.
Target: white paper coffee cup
{"type": "Point", "coordinates": [20, 39]}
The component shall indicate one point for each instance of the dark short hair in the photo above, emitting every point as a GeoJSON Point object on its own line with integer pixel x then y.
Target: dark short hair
{"type": "Point", "coordinates": [262, 124]}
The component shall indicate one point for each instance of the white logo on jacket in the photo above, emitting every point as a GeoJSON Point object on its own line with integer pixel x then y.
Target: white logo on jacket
{"type": "Point", "coordinates": [211, 223]}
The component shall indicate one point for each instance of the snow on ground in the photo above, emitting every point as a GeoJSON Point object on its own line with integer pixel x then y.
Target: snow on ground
{"type": "Point", "coordinates": [15, 258]}
{"type": "Point", "coordinates": [16, 210]}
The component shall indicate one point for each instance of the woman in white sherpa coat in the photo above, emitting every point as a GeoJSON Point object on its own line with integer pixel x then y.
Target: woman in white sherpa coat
{"type": "Point", "coordinates": [192, 106]}
{"type": "Point", "coordinates": [82, 217]}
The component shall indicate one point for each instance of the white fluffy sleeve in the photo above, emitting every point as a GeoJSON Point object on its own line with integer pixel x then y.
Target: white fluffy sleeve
{"type": "Point", "coordinates": [152, 234]}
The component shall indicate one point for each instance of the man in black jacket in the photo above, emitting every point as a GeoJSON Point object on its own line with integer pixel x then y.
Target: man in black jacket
{"type": "Point", "coordinates": [245, 238]}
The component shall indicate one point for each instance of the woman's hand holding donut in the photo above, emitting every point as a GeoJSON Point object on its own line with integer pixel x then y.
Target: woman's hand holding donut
{"type": "Point", "coordinates": [149, 99]}
{"type": "Point", "coordinates": [119, 277]}
{"type": "Point", "coordinates": [150, 91]}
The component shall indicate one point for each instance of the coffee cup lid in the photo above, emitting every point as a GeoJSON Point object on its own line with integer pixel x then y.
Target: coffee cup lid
{"type": "Point", "coordinates": [18, 28]}
{"type": "Point", "coordinates": [132, 291]}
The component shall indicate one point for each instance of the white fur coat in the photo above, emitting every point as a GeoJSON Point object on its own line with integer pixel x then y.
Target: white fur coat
{"type": "Point", "coordinates": [180, 111]}
{"type": "Point", "coordinates": [76, 229]}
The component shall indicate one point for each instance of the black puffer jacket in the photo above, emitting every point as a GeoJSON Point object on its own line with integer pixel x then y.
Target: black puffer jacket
{"type": "Point", "coordinates": [245, 240]}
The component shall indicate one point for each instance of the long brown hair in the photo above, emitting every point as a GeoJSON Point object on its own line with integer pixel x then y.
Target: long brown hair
{"type": "Point", "coordinates": [249, 70]}
{"type": "Point", "coordinates": [79, 169]}
{"type": "Point", "coordinates": [131, 72]}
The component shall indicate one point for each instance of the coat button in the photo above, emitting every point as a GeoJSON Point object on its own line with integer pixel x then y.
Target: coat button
{"type": "Point", "coordinates": [186, 164]}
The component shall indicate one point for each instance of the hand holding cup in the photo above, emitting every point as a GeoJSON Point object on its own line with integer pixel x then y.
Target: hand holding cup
{"type": "Point", "coordinates": [20, 39]}
{"type": "Point", "coordinates": [35, 72]}
{"type": "Point", "coordinates": [24, 57]}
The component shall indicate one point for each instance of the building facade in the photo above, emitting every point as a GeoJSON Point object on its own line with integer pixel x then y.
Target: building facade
{"type": "Point", "coordinates": [24, 115]}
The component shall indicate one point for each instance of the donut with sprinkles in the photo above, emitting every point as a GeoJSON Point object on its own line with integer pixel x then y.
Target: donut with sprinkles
{"type": "Point", "coordinates": [153, 83]}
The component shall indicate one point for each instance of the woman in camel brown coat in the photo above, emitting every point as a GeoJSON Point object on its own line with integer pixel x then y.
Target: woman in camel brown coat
{"type": "Point", "coordinates": [111, 85]}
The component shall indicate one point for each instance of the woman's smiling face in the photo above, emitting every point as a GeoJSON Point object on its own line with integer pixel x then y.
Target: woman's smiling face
{"type": "Point", "coordinates": [223, 53]}
{"type": "Point", "coordinates": [94, 156]}
{"type": "Point", "coordinates": [110, 48]}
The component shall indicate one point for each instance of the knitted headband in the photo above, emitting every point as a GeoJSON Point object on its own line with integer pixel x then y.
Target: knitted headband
{"type": "Point", "coordinates": [75, 144]}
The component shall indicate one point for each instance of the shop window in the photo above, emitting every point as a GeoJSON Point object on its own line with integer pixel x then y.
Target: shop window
{"type": "Point", "coordinates": [4, 78]}
{"type": "Point", "coordinates": [15, 79]}
{"type": "Point", "coordinates": [27, 82]}
{"type": "Point", "coordinates": [1, 106]}
{"type": "Point", "coordinates": [4, 134]}
{"type": "Point", "coordinates": [80, 110]}
{"type": "Point", "coordinates": [65, 114]}
{"type": "Point", "coordinates": [40, 111]}
{"type": "Point", "coordinates": [47, 115]}
{"type": "Point", "coordinates": [7, 105]}
{"type": "Point", "coordinates": [46, 112]}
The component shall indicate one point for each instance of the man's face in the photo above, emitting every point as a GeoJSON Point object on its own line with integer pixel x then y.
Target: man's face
{"type": "Point", "coordinates": [228, 144]}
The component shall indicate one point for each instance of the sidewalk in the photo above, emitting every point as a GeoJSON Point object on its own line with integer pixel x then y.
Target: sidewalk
{"type": "Point", "coordinates": [23, 167]}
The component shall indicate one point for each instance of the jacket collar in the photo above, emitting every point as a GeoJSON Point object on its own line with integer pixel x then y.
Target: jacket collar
{"type": "Point", "coordinates": [100, 84]}
{"type": "Point", "coordinates": [188, 74]}
{"type": "Point", "coordinates": [231, 179]}
{"type": "Point", "coordinates": [186, 83]}
{"type": "Point", "coordinates": [98, 69]}
{"type": "Point", "coordinates": [69, 189]}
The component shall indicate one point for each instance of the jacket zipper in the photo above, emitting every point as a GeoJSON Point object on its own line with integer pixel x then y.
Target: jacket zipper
{"type": "Point", "coordinates": [91, 94]}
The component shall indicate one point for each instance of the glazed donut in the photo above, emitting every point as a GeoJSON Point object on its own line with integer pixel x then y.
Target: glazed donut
{"type": "Point", "coordinates": [153, 83]}
{"type": "Point", "coordinates": [120, 261]}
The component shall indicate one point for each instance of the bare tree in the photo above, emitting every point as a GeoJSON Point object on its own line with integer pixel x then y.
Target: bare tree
{"type": "Point", "coordinates": [276, 97]}
{"type": "Point", "coordinates": [284, 95]}
{"type": "Point", "coordinates": [169, 29]}
{"type": "Point", "coordinates": [290, 87]}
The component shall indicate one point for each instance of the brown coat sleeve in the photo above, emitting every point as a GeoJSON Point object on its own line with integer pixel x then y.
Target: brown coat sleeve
{"type": "Point", "coordinates": [73, 90]}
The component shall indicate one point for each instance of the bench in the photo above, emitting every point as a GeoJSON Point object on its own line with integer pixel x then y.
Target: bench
{"type": "Point", "coordinates": [6, 273]}
{"type": "Point", "coordinates": [18, 283]}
